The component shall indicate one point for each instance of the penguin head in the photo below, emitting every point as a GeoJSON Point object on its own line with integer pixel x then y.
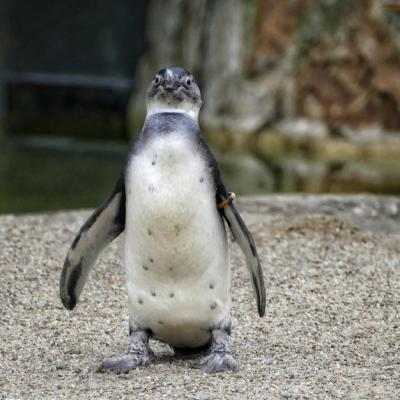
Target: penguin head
{"type": "Point", "coordinates": [173, 90]}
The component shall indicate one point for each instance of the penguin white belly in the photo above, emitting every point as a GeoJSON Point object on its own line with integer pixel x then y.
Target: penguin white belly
{"type": "Point", "coordinates": [176, 256]}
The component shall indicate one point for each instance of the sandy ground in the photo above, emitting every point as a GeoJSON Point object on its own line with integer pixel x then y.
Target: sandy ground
{"type": "Point", "coordinates": [331, 329]}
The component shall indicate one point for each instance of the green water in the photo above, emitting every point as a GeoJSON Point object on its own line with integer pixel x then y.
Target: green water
{"type": "Point", "coordinates": [47, 174]}
{"type": "Point", "coordinates": [39, 174]}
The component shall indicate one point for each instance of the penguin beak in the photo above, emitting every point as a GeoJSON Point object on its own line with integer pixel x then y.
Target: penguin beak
{"type": "Point", "coordinates": [168, 85]}
{"type": "Point", "coordinates": [169, 82]}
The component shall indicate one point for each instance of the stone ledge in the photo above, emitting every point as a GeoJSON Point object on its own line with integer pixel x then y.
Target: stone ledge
{"type": "Point", "coordinates": [367, 212]}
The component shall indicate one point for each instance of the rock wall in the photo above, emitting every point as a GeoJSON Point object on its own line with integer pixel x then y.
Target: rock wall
{"type": "Point", "coordinates": [262, 61]}
{"type": "Point", "coordinates": [343, 57]}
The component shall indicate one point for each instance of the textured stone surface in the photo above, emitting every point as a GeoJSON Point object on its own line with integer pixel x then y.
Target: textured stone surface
{"type": "Point", "coordinates": [331, 329]}
{"type": "Point", "coordinates": [260, 61]}
{"type": "Point", "coordinates": [335, 61]}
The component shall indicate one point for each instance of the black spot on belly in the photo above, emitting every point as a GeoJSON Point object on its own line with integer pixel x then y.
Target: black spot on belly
{"type": "Point", "coordinates": [151, 260]}
{"type": "Point", "coordinates": [149, 232]}
{"type": "Point", "coordinates": [161, 323]}
{"type": "Point", "coordinates": [171, 295]}
{"type": "Point", "coordinates": [145, 267]}
{"type": "Point", "coordinates": [153, 163]}
{"type": "Point", "coordinates": [153, 293]}
{"type": "Point", "coordinates": [177, 229]}
{"type": "Point", "coordinates": [201, 180]}
{"type": "Point", "coordinates": [213, 305]}
{"type": "Point", "coordinates": [140, 301]}
{"type": "Point", "coordinates": [211, 286]}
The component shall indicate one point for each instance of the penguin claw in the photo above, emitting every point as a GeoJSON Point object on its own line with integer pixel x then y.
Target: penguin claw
{"type": "Point", "coordinates": [125, 363]}
{"type": "Point", "coordinates": [218, 362]}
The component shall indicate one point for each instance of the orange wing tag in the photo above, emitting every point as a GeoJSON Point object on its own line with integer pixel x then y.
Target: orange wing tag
{"type": "Point", "coordinates": [227, 201]}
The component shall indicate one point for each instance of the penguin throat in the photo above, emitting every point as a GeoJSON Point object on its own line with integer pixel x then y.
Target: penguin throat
{"type": "Point", "coordinates": [184, 108]}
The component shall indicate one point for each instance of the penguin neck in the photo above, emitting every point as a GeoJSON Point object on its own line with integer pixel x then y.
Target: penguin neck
{"type": "Point", "coordinates": [184, 108]}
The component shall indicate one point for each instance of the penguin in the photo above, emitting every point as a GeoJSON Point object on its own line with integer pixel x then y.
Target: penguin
{"type": "Point", "coordinates": [172, 206]}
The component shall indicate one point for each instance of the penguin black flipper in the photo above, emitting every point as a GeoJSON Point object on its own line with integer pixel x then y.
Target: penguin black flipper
{"type": "Point", "coordinates": [240, 232]}
{"type": "Point", "coordinates": [246, 243]}
{"type": "Point", "coordinates": [104, 225]}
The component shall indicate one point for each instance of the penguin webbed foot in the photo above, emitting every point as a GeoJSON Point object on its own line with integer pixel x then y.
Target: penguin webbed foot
{"type": "Point", "coordinates": [218, 362]}
{"type": "Point", "coordinates": [220, 357]}
{"type": "Point", "coordinates": [139, 354]}
{"type": "Point", "coordinates": [126, 363]}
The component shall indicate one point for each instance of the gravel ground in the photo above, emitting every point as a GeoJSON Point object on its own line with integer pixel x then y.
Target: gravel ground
{"type": "Point", "coordinates": [331, 328]}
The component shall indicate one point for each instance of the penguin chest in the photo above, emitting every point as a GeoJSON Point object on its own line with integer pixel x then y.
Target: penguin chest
{"type": "Point", "coordinates": [176, 257]}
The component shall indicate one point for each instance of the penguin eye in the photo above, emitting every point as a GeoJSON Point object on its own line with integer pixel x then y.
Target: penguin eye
{"type": "Point", "coordinates": [157, 80]}
{"type": "Point", "coordinates": [188, 82]}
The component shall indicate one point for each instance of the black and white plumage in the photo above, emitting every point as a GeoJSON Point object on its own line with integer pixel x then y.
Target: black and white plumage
{"type": "Point", "coordinates": [175, 251]}
{"type": "Point", "coordinates": [102, 227]}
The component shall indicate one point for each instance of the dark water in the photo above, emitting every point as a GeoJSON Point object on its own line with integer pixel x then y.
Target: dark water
{"type": "Point", "coordinates": [49, 173]}
{"type": "Point", "coordinates": [40, 174]}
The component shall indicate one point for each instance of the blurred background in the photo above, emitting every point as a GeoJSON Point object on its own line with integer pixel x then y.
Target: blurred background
{"type": "Point", "coordinates": [298, 95]}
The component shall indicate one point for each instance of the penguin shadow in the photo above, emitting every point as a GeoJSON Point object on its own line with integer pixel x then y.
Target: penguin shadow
{"type": "Point", "coordinates": [193, 355]}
